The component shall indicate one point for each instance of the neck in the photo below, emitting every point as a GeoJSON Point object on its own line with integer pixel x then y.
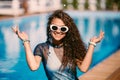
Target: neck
{"type": "Point", "coordinates": [57, 44]}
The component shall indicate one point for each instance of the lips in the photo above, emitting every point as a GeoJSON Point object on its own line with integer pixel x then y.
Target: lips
{"type": "Point", "coordinates": [58, 35]}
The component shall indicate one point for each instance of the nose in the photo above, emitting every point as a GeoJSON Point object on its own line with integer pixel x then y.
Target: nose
{"type": "Point", "coordinates": [58, 30]}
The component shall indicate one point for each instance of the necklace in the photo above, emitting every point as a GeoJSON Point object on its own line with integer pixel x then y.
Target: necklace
{"type": "Point", "coordinates": [54, 45]}
{"type": "Point", "coordinates": [57, 46]}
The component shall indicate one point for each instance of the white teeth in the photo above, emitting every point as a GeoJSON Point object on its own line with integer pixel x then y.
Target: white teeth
{"type": "Point", "coordinates": [58, 34]}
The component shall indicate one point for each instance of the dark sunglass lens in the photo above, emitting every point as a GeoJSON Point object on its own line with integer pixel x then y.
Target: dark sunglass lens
{"type": "Point", "coordinates": [54, 27]}
{"type": "Point", "coordinates": [63, 29]}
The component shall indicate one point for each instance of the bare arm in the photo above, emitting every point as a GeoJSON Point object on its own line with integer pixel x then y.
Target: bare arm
{"type": "Point", "coordinates": [33, 61]}
{"type": "Point", "coordinates": [84, 66]}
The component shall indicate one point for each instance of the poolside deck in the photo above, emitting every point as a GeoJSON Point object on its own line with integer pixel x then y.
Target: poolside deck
{"type": "Point", "coordinates": [10, 16]}
{"type": "Point", "coordinates": [109, 69]}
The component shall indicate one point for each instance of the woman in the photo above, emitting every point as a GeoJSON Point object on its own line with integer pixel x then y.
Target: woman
{"type": "Point", "coordinates": [63, 49]}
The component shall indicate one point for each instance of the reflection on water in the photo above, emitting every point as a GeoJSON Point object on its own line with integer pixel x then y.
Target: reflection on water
{"type": "Point", "coordinates": [11, 42]}
{"type": "Point", "coordinates": [12, 49]}
{"type": "Point", "coordinates": [13, 64]}
{"type": "Point", "coordinates": [6, 65]}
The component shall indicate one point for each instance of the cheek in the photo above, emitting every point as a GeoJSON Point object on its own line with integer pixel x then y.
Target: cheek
{"type": "Point", "coordinates": [64, 35]}
{"type": "Point", "coordinates": [52, 34]}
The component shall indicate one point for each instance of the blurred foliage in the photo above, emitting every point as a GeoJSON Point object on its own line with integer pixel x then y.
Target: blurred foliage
{"type": "Point", "coordinates": [75, 4]}
{"type": "Point", "coordinates": [110, 4]}
{"type": "Point", "coordinates": [86, 5]}
{"type": "Point", "coordinates": [98, 5]}
{"type": "Point", "coordinates": [65, 4]}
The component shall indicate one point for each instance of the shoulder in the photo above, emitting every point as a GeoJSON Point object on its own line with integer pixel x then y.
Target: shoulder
{"type": "Point", "coordinates": [42, 45]}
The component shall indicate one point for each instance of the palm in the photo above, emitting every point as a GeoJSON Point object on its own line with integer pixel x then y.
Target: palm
{"type": "Point", "coordinates": [99, 38]}
{"type": "Point", "coordinates": [21, 35]}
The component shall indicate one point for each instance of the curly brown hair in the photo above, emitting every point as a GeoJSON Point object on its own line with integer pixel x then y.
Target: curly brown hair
{"type": "Point", "coordinates": [74, 47]}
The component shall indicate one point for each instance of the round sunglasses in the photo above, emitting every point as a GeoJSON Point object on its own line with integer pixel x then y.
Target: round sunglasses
{"type": "Point", "coordinates": [63, 29]}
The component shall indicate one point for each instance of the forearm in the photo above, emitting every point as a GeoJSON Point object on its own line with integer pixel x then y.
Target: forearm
{"type": "Point", "coordinates": [87, 60]}
{"type": "Point", "coordinates": [32, 62]}
{"type": "Point", "coordinates": [84, 66]}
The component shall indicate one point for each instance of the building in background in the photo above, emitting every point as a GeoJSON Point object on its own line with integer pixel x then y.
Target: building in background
{"type": "Point", "coordinates": [91, 5]}
{"type": "Point", "coordinates": [20, 7]}
{"type": "Point", "coordinates": [43, 5]}
{"type": "Point", "coordinates": [11, 7]}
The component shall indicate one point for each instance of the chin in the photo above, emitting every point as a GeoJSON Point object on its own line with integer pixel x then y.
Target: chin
{"type": "Point", "coordinates": [58, 39]}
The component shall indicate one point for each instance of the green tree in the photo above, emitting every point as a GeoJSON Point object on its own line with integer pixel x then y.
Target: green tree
{"type": "Point", "coordinates": [98, 5]}
{"type": "Point", "coordinates": [117, 2]}
{"type": "Point", "coordinates": [86, 5]}
{"type": "Point", "coordinates": [64, 4]}
{"type": "Point", "coordinates": [109, 4]}
{"type": "Point", "coordinates": [75, 4]}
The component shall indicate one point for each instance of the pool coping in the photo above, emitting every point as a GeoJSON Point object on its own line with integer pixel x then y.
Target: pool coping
{"type": "Point", "coordinates": [104, 69]}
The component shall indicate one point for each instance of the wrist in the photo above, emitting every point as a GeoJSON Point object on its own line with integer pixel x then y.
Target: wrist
{"type": "Point", "coordinates": [92, 43]}
{"type": "Point", "coordinates": [26, 41]}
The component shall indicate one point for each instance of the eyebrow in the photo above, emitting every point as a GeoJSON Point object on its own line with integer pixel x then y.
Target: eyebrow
{"type": "Point", "coordinates": [56, 25]}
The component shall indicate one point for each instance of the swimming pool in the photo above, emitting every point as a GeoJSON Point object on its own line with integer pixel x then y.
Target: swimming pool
{"type": "Point", "coordinates": [13, 64]}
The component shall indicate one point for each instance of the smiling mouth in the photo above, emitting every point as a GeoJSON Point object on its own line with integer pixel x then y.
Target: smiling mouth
{"type": "Point", "coordinates": [59, 33]}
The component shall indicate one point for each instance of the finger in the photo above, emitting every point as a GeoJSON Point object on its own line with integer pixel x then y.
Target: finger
{"type": "Point", "coordinates": [13, 29]}
{"type": "Point", "coordinates": [17, 30]}
{"type": "Point", "coordinates": [93, 38]}
{"type": "Point", "coordinates": [101, 35]}
{"type": "Point", "coordinates": [20, 35]}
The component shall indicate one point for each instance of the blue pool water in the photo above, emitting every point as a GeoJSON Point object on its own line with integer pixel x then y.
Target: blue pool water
{"type": "Point", "coordinates": [13, 64]}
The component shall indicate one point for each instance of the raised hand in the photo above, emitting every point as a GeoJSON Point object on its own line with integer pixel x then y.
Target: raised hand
{"type": "Point", "coordinates": [22, 35]}
{"type": "Point", "coordinates": [97, 39]}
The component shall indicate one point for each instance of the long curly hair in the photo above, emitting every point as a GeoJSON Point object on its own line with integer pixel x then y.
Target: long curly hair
{"type": "Point", "coordinates": [74, 47]}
